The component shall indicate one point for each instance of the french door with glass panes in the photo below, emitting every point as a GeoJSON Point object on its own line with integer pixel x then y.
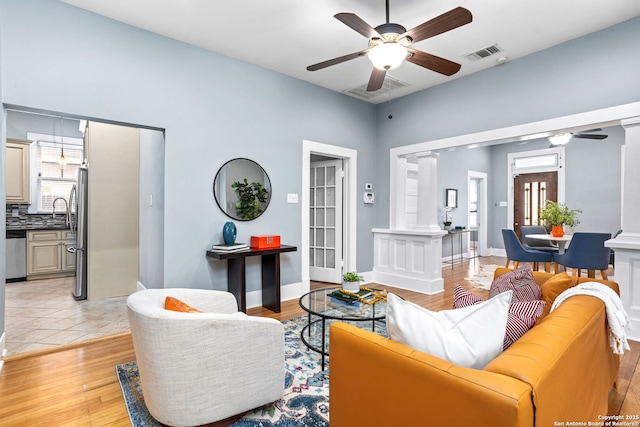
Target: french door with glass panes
{"type": "Point", "coordinates": [325, 221]}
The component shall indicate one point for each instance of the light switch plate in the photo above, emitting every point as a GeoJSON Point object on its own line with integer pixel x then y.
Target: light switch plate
{"type": "Point", "coordinates": [292, 198]}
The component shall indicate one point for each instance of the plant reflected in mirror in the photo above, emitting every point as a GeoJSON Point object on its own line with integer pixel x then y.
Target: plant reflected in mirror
{"type": "Point", "coordinates": [242, 189]}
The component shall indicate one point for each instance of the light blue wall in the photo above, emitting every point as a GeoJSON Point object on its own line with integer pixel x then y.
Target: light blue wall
{"type": "Point", "coordinates": [213, 108]}
{"type": "Point", "coordinates": [453, 167]}
{"type": "Point", "coordinates": [151, 225]}
{"type": "Point", "coordinates": [57, 58]}
{"type": "Point", "coordinates": [559, 81]}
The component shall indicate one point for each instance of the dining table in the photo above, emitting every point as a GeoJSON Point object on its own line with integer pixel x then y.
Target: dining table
{"type": "Point", "coordinates": [561, 241]}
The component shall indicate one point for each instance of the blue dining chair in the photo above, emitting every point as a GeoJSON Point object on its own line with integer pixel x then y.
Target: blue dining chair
{"type": "Point", "coordinates": [517, 253]}
{"type": "Point", "coordinates": [586, 252]}
{"type": "Point", "coordinates": [540, 245]}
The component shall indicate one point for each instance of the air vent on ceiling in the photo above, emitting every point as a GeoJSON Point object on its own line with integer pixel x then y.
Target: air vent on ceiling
{"type": "Point", "coordinates": [483, 53]}
{"type": "Point", "coordinates": [390, 84]}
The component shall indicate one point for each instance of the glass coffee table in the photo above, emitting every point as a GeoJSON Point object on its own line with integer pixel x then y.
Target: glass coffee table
{"type": "Point", "coordinates": [324, 310]}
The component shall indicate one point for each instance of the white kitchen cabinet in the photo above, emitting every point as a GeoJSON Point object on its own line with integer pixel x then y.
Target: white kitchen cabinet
{"type": "Point", "coordinates": [47, 253]}
{"type": "Point", "coordinates": [68, 258]}
{"type": "Point", "coordinates": [17, 171]}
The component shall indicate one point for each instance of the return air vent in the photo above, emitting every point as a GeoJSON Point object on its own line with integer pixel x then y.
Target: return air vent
{"type": "Point", "coordinates": [390, 84]}
{"type": "Point", "coordinates": [483, 53]}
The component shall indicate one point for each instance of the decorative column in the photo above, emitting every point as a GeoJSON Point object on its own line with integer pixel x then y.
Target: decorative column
{"type": "Point", "coordinates": [398, 208]}
{"type": "Point", "coordinates": [627, 244]}
{"type": "Point", "coordinates": [410, 257]}
{"type": "Point", "coordinates": [428, 192]}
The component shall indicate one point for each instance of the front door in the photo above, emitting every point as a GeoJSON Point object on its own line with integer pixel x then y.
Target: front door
{"type": "Point", "coordinates": [530, 192]}
{"type": "Point", "coordinates": [325, 221]}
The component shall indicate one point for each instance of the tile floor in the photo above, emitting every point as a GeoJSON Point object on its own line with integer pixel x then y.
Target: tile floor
{"type": "Point", "coordinates": [43, 313]}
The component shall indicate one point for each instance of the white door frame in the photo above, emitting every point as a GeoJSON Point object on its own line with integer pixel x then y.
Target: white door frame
{"type": "Point", "coordinates": [511, 172]}
{"type": "Point", "coordinates": [350, 158]}
{"type": "Point", "coordinates": [482, 249]}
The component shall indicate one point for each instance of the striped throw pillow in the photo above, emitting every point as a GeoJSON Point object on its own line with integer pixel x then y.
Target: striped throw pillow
{"type": "Point", "coordinates": [520, 281]}
{"type": "Point", "coordinates": [522, 315]}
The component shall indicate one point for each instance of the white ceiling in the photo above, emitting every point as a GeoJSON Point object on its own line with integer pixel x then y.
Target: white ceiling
{"type": "Point", "coordinates": [288, 35]}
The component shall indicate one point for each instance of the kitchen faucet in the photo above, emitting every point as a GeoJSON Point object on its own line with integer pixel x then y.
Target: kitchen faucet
{"type": "Point", "coordinates": [66, 216]}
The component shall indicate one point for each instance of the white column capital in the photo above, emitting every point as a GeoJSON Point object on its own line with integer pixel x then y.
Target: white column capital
{"type": "Point", "coordinates": [424, 154]}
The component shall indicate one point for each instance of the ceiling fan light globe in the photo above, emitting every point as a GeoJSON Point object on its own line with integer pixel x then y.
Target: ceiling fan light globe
{"type": "Point", "coordinates": [387, 56]}
{"type": "Point", "coordinates": [560, 139]}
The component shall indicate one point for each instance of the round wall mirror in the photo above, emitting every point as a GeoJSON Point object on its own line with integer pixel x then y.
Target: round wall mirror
{"type": "Point", "coordinates": [242, 189]}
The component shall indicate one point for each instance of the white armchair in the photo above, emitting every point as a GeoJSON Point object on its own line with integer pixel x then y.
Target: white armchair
{"type": "Point", "coordinates": [197, 368]}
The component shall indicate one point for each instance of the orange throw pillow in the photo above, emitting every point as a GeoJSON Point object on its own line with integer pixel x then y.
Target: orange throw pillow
{"type": "Point", "coordinates": [174, 304]}
{"type": "Point", "coordinates": [553, 287]}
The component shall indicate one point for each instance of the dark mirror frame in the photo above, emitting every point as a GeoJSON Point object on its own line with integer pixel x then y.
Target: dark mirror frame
{"type": "Point", "coordinates": [234, 172]}
{"type": "Point", "coordinates": [451, 198]}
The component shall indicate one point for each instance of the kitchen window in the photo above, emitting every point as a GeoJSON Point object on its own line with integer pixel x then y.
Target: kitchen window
{"type": "Point", "coordinates": [50, 179]}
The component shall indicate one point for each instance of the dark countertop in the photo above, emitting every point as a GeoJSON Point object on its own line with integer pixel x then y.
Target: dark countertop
{"type": "Point", "coordinates": [37, 227]}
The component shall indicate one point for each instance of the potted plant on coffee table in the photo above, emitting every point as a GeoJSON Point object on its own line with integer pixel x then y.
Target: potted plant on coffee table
{"type": "Point", "coordinates": [557, 215]}
{"type": "Point", "coordinates": [351, 281]}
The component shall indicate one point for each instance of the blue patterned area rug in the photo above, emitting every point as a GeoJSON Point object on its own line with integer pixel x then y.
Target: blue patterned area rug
{"type": "Point", "coordinates": [306, 397]}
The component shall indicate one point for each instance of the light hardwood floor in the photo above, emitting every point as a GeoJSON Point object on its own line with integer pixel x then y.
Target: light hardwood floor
{"type": "Point", "coordinates": [76, 385]}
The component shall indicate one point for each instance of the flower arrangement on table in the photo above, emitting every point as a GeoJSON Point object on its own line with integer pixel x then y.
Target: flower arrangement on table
{"type": "Point", "coordinates": [448, 217]}
{"type": "Point", "coordinates": [557, 215]}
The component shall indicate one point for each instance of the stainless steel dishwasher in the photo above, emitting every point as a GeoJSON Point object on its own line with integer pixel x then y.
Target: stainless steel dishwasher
{"type": "Point", "coordinates": [16, 256]}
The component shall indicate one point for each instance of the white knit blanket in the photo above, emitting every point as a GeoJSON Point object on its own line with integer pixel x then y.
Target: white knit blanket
{"type": "Point", "coordinates": [617, 318]}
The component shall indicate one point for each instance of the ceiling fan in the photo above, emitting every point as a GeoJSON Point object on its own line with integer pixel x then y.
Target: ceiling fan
{"type": "Point", "coordinates": [389, 44]}
{"type": "Point", "coordinates": [563, 138]}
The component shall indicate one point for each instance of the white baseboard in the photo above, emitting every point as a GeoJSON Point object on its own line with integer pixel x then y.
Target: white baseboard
{"type": "Point", "coordinates": [423, 286]}
{"type": "Point", "coordinates": [287, 292]}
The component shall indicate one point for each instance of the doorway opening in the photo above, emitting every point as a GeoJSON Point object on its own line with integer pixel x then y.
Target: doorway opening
{"type": "Point", "coordinates": [477, 212]}
{"type": "Point", "coordinates": [326, 217]}
{"type": "Point", "coordinates": [530, 193]}
{"type": "Point", "coordinates": [534, 176]}
{"type": "Point", "coordinates": [21, 123]}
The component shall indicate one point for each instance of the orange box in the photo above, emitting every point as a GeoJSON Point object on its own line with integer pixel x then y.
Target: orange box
{"type": "Point", "coordinates": [265, 242]}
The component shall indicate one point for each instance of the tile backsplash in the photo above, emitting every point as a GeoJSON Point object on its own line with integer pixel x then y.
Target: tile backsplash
{"type": "Point", "coordinates": [26, 220]}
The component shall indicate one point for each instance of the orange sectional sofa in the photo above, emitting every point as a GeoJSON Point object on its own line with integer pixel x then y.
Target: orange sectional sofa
{"type": "Point", "coordinates": [560, 371]}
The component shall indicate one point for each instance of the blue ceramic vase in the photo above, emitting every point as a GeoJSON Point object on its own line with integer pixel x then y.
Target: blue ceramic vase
{"type": "Point", "coordinates": [229, 233]}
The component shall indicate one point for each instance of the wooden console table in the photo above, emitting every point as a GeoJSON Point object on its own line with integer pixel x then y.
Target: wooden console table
{"type": "Point", "coordinates": [236, 275]}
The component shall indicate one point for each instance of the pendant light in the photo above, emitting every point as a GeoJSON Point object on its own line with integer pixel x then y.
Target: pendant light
{"type": "Point", "coordinates": [62, 160]}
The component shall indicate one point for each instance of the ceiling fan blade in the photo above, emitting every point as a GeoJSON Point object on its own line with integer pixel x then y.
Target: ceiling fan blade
{"type": "Point", "coordinates": [447, 21]}
{"type": "Point", "coordinates": [376, 80]}
{"type": "Point", "coordinates": [588, 131]}
{"type": "Point", "coordinates": [356, 23]}
{"type": "Point", "coordinates": [433, 63]}
{"type": "Point", "coordinates": [589, 136]}
{"type": "Point", "coordinates": [338, 60]}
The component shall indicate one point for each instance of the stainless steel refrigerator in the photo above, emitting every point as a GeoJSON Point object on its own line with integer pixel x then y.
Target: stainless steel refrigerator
{"type": "Point", "coordinates": [79, 214]}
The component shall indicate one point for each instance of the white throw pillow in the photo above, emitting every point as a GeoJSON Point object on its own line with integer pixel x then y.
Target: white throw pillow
{"type": "Point", "coordinates": [470, 336]}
